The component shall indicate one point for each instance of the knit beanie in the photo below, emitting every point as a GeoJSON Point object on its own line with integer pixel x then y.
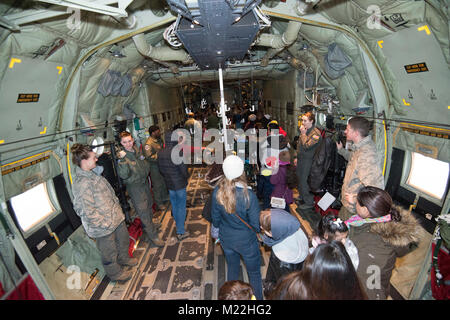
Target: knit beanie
{"type": "Point", "coordinates": [233, 167]}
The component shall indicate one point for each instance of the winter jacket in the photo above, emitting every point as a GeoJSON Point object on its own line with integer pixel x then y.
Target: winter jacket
{"type": "Point", "coordinates": [307, 144]}
{"type": "Point", "coordinates": [321, 162]}
{"type": "Point", "coordinates": [95, 201]}
{"type": "Point", "coordinates": [281, 189]}
{"type": "Point", "coordinates": [363, 169]}
{"type": "Point", "coordinates": [133, 168]}
{"type": "Point", "coordinates": [379, 244]}
{"type": "Point", "coordinates": [152, 147]}
{"type": "Point", "coordinates": [231, 228]}
{"type": "Point", "coordinates": [175, 175]}
{"type": "Point", "coordinates": [269, 151]}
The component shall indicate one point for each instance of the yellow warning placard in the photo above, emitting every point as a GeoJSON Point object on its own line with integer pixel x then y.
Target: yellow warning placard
{"type": "Point", "coordinates": [28, 97]}
{"type": "Point", "coordinates": [417, 67]}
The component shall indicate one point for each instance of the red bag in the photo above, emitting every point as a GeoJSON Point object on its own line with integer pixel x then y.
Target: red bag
{"type": "Point", "coordinates": [440, 261]}
{"type": "Point", "coordinates": [322, 212]}
{"type": "Point", "coordinates": [135, 231]}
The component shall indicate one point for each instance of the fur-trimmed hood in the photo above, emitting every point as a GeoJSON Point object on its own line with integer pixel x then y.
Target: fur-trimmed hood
{"type": "Point", "coordinates": [399, 233]}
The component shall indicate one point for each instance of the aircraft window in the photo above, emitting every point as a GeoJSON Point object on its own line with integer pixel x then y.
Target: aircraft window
{"type": "Point", "coordinates": [32, 207]}
{"type": "Point", "coordinates": [428, 175]}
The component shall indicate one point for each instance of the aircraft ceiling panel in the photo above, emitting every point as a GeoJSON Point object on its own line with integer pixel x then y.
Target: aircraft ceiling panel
{"type": "Point", "coordinates": [29, 92]}
{"type": "Point", "coordinates": [416, 59]}
{"type": "Point", "coordinates": [219, 36]}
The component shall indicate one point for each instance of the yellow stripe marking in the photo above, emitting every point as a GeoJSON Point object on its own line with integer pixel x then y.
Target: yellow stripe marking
{"type": "Point", "coordinates": [44, 131]}
{"type": "Point", "coordinates": [406, 103]}
{"type": "Point", "coordinates": [13, 61]}
{"type": "Point", "coordinates": [59, 69]}
{"type": "Point", "coordinates": [425, 27]}
{"type": "Point", "coordinates": [380, 42]}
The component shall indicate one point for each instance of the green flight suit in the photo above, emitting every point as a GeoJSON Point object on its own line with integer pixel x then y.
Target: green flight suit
{"type": "Point", "coordinates": [151, 149]}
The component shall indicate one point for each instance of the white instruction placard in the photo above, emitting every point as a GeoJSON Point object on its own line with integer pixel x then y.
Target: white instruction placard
{"type": "Point", "coordinates": [326, 201]}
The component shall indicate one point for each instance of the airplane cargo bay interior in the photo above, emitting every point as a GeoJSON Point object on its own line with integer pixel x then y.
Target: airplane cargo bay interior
{"type": "Point", "coordinates": [226, 73]}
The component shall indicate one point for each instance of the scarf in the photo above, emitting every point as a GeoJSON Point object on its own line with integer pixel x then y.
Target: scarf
{"type": "Point", "coordinates": [357, 221]}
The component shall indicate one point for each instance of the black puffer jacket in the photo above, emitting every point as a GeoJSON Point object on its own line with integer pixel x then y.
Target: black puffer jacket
{"type": "Point", "coordinates": [175, 175]}
{"type": "Point", "coordinates": [321, 163]}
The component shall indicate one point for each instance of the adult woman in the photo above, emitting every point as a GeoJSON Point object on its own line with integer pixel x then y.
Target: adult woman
{"type": "Point", "coordinates": [133, 168]}
{"type": "Point", "coordinates": [307, 143]}
{"type": "Point", "coordinates": [231, 202]}
{"type": "Point", "coordinates": [382, 232]}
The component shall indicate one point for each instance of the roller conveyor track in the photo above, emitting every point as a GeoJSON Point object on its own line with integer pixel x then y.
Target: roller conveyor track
{"type": "Point", "coordinates": [193, 269]}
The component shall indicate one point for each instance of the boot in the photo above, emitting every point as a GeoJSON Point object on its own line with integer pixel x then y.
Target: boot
{"type": "Point", "coordinates": [130, 262]}
{"type": "Point", "coordinates": [123, 276]}
{"type": "Point", "coordinates": [157, 242]}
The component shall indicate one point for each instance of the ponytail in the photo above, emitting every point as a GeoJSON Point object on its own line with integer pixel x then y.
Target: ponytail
{"type": "Point", "coordinates": [378, 202]}
{"type": "Point", "coordinates": [395, 214]}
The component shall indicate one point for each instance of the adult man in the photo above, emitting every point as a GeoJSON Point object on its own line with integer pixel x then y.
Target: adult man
{"type": "Point", "coordinates": [133, 168]}
{"type": "Point", "coordinates": [364, 165]}
{"type": "Point", "coordinates": [176, 177]}
{"type": "Point", "coordinates": [152, 146]}
{"type": "Point", "coordinates": [192, 125]}
{"type": "Point", "coordinates": [101, 215]}
{"type": "Point", "coordinates": [213, 120]}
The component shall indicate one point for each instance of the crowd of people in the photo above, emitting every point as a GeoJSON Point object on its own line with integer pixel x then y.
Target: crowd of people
{"type": "Point", "coordinates": [351, 255]}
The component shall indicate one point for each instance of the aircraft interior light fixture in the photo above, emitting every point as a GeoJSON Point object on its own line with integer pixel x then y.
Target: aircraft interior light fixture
{"type": "Point", "coordinates": [98, 141]}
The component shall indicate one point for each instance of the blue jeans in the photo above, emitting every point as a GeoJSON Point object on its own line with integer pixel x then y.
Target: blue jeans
{"type": "Point", "coordinates": [252, 259]}
{"type": "Point", "coordinates": [265, 188]}
{"type": "Point", "coordinates": [178, 201]}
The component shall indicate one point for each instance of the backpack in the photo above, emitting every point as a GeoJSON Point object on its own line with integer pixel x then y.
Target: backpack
{"type": "Point", "coordinates": [135, 232]}
{"type": "Point", "coordinates": [440, 260]}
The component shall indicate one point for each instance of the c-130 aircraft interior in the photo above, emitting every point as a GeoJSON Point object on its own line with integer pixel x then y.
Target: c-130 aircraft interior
{"type": "Point", "coordinates": [77, 72]}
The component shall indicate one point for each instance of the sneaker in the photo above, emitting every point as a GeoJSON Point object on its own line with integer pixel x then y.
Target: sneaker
{"type": "Point", "coordinates": [157, 242]}
{"type": "Point", "coordinates": [130, 262]}
{"type": "Point", "coordinates": [183, 236]}
{"type": "Point", "coordinates": [123, 276]}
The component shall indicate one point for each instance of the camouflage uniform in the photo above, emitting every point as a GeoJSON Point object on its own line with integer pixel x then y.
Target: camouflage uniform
{"type": "Point", "coordinates": [306, 147]}
{"type": "Point", "coordinates": [363, 169]}
{"type": "Point", "coordinates": [151, 149]}
{"type": "Point", "coordinates": [134, 169]}
{"type": "Point", "coordinates": [99, 209]}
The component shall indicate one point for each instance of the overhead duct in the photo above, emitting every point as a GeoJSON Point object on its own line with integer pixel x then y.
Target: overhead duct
{"type": "Point", "coordinates": [160, 53]}
{"type": "Point", "coordinates": [278, 42]}
{"type": "Point", "coordinates": [304, 6]}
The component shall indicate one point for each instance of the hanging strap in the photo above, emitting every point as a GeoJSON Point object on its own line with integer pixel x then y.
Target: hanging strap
{"type": "Point", "coordinates": [250, 227]}
{"type": "Point", "coordinates": [245, 222]}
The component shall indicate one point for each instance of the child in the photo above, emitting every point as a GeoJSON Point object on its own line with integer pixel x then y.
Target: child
{"type": "Point", "coordinates": [332, 228]}
{"type": "Point", "coordinates": [236, 290]}
{"type": "Point", "coordinates": [282, 232]}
